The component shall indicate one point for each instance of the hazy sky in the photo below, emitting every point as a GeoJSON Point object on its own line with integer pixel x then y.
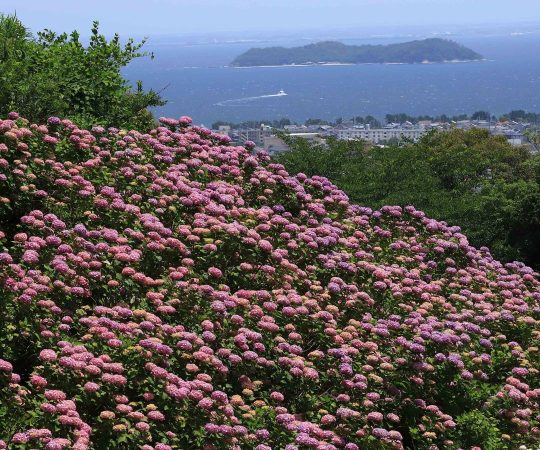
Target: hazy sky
{"type": "Point", "coordinates": [150, 17]}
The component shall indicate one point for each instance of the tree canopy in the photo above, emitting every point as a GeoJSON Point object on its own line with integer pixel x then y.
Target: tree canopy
{"type": "Point", "coordinates": [467, 178]}
{"type": "Point", "coordinates": [58, 75]}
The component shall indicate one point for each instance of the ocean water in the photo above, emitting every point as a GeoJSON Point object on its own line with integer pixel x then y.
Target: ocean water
{"type": "Point", "coordinates": [196, 81]}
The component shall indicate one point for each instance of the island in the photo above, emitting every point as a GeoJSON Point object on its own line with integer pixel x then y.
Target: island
{"type": "Point", "coordinates": [434, 50]}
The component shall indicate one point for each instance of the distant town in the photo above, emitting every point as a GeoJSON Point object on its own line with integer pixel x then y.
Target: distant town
{"type": "Point", "coordinates": [518, 127]}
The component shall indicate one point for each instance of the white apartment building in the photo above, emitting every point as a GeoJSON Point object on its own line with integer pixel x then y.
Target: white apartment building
{"type": "Point", "coordinates": [377, 135]}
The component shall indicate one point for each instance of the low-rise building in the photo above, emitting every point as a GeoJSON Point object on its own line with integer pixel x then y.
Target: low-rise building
{"type": "Point", "coordinates": [310, 137]}
{"type": "Point", "coordinates": [515, 138]}
{"type": "Point", "coordinates": [273, 144]}
{"type": "Point", "coordinates": [224, 130]}
{"type": "Point", "coordinates": [377, 135]}
{"type": "Point", "coordinates": [249, 134]}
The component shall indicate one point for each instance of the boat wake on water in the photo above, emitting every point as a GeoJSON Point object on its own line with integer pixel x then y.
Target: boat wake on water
{"type": "Point", "coordinates": [240, 101]}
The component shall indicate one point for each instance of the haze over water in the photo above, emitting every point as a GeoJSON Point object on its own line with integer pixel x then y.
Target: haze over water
{"type": "Point", "coordinates": [198, 82]}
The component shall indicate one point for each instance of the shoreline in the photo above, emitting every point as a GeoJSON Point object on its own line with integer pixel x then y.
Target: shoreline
{"type": "Point", "coordinates": [453, 61]}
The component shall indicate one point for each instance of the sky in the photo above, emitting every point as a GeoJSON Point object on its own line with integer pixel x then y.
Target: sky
{"type": "Point", "coordinates": [155, 17]}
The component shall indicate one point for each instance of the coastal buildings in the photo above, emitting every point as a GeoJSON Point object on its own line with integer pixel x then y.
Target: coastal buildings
{"type": "Point", "coordinates": [378, 135]}
{"type": "Point", "coordinates": [267, 137]}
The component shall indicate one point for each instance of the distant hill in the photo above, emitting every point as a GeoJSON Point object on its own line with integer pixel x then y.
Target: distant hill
{"type": "Point", "coordinates": [426, 50]}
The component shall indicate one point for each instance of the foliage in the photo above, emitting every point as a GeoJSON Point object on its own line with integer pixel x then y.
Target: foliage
{"type": "Point", "coordinates": [467, 178]}
{"type": "Point", "coordinates": [168, 291]}
{"type": "Point", "coordinates": [57, 75]}
{"type": "Point", "coordinates": [520, 115]}
{"type": "Point", "coordinates": [481, 115]}
{"type": "Point", "coordinates": [476, 427]}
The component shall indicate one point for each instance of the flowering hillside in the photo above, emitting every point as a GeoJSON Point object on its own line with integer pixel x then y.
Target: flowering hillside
{"type": "Point", "coordinates": [171, 291]}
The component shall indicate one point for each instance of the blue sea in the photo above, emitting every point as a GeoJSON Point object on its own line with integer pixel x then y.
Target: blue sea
{"type": "Point", "coordinates": [196, 81]}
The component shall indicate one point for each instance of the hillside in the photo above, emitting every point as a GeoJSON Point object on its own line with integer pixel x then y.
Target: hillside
{"type": "Point", "coordinates": [170, 291]}
{"type": "Point", "coordinates": [432, 50]}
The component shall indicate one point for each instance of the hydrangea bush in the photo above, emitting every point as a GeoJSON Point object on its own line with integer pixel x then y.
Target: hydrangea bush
{"type": "Point", "coordinates": [171, 291]}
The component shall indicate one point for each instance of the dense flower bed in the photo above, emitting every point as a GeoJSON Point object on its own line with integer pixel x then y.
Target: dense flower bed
{"type": "Point", "coordinates": [171, 291]}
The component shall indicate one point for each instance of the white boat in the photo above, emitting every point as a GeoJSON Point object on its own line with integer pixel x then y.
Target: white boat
{"type": "Point", "coordinates": [281, 93]}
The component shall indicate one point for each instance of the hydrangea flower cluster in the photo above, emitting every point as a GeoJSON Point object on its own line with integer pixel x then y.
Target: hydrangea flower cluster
{"type": "Point", "coordinates": [169, 290]}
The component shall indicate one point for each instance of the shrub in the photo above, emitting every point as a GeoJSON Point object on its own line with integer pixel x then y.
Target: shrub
{"type": "Point", "coordinates": [56, 75]}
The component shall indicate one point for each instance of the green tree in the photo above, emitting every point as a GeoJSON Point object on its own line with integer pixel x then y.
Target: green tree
{"type": "Point", "coordinates": [316, 122]}
{"type": "Point", "coordinates": [480, 115]}
{"type": "Point", "coordinates": [480, 182]}
{"type": "Point", "coordinates": [57, 75]}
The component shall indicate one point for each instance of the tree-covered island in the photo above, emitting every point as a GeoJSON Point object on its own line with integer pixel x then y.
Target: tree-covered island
{"type": "Point", "coordinates": [420, 51]}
